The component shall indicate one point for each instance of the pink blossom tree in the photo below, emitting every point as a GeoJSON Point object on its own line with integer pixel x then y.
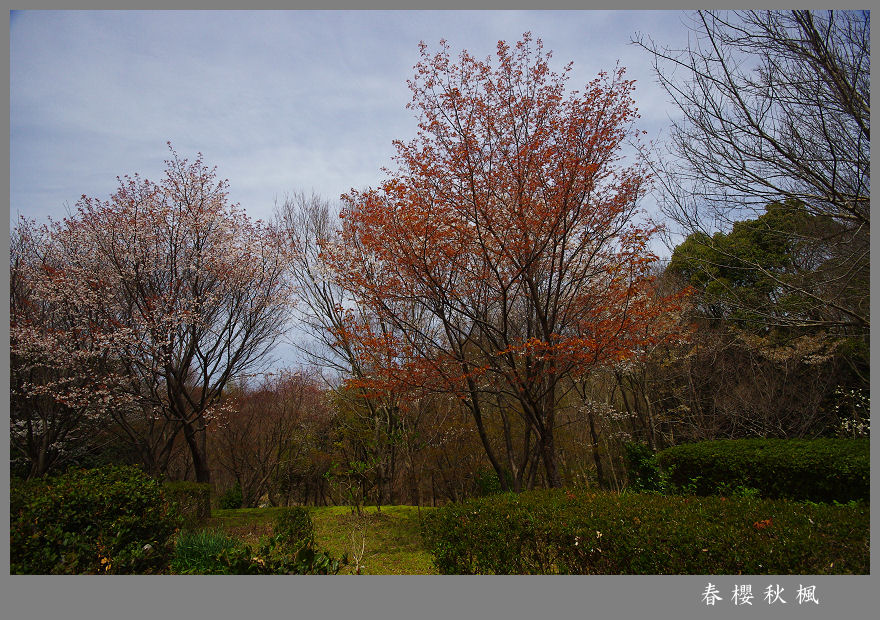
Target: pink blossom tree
{"type": "Point", "coordinates": [63, 378]}
{"type": "Point", "coordinates": [187, 292]}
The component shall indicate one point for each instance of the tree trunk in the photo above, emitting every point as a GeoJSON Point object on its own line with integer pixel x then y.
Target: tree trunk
{"type": "Point", "coordinates": [195, 439]}
{"type": "Point", "coordinates": [548, 446]}
{"type": "Point", "coordinates": [40, 466]}
{"type": "Point", "coordinates": [594, 440]}
{"type": "Point", "coordinates": [484, 438]}
{"type": "Point", "coordinates": [548, 453]}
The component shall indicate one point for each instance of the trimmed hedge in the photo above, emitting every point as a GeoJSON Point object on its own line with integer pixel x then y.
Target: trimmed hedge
{"type": "Point", "coordinates": [581, 532]}
{"type": "Point", "coordinates": [192, 500]}
{"type": "Point", "coordinates": [110, 520]}
{"type": "Point", "coordinates": [819, 470]}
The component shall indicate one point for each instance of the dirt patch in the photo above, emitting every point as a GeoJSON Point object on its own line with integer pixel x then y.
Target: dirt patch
{"type": "Point", "coordinates": [250, 533]}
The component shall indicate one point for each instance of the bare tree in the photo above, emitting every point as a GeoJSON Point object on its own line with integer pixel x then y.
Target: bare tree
{"type": "Point", "coordinates": [262, 429]}
{"type": "Point", "coordinates": [775, 109]}
{"type": "Point", "coordinates": [378, 422]}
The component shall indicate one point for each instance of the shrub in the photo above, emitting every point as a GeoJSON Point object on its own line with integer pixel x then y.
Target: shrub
{"type": "Point", "coordinates": [231, 499]}
{"type": "Point", "coordinates": [268, 559]}
{"type": "Point", "coordinates": [488, 483]}
{"type": "Point", "coordinates": [192, 500]}
{"type": "Point", "coordinates": [112, 519]}
{"type": "Point", "coordinates": [641, 467]}
{"type": "Point", "coordinates": [819, 470]}
{"type": "Point", "coordinates": [289, 550]}
{"type": "Point", "coordinates": [581, 532]}
{"type": "Point", "coordinates": [293, 528]}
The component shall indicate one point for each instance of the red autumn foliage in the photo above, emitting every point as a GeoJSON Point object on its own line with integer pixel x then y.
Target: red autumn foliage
{"type": "Point", "coordinates": [504, 250]}
{"type": "Point", "coordinates": [763, 524]}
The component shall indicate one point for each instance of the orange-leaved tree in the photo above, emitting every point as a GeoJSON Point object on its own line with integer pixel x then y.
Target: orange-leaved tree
{"type": "Point", "coordinates": [510, 225]}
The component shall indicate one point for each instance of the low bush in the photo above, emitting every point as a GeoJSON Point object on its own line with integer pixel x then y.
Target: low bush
{"type": "Point", "coordinates": [642, 470]}
{"type": "Point", "coordinates": [486, 481]}
{"type": "Point", "coordinates": [112, 519]}
{"type": "Point", "coordinates": [819, 470]}
{"type": "Point", "coordinates": [192, 500]}
{"type": "Point", "coordinates": [293, 528]}
{"type": "Point", "coordinates": [288, 550]}
{"type": "Point", "coordinates": [231, 498]}
{"type": "Point", "coordinates": [581, 532]}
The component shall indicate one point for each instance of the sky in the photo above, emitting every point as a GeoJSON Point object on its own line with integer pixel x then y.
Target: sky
{"type": "Point", "coordinates": [279, 101]}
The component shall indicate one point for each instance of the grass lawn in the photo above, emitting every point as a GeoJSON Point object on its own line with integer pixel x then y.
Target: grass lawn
{"type": "Point", "coordinates": [387, 542]}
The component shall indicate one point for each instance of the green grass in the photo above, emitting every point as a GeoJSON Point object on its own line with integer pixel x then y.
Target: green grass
{"type": "Point", "coordinates": [247, 524]}
{"type": "Point", "coordinates": [382, 543]}
{"type": "Point", "coordinates": [196, 552]}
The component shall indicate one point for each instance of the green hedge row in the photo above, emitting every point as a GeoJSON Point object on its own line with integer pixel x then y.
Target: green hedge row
{"type": "Point", "coordinates": [819, 470]}
{"type": "Point", "coordinates": [192, 500]}
{"type": "Point", "coordinates": [580, 532]}
{"type": "Point", "coordinates": [110, 520]}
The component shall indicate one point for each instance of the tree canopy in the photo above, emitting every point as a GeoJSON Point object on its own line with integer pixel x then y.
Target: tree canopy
{"type": "Point", "coordinates": [504, 250]}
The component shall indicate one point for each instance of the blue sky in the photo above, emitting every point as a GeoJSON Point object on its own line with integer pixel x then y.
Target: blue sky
{"type": "Point", "coordinates": [279, 101]}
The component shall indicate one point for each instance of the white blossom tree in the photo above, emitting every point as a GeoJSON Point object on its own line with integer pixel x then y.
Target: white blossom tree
{"type": "Point", "coordinates": [63, 378]}
{"type": "Point", "coordinates": [188, 292]}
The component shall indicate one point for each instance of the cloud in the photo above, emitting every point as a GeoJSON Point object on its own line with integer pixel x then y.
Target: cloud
{"type": "Point", "coordinates": [278, 100]}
